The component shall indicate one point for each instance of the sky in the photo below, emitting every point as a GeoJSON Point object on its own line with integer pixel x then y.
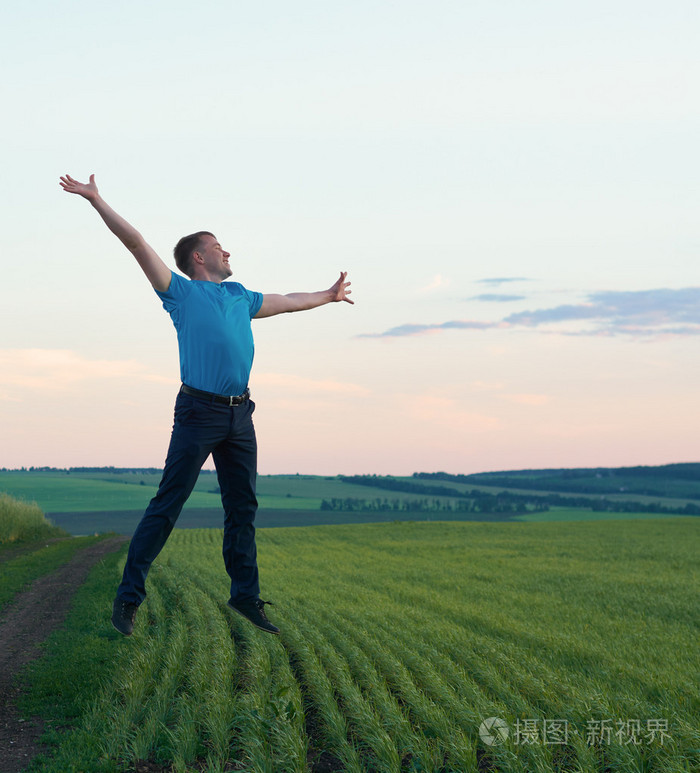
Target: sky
{"type": "Point", "coordinates": [512, 187]}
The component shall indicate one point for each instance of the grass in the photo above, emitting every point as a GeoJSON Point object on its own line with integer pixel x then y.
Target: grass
{"type": "Point", "coordinates": [17, 573]}
{"type": "Point", "coordinates": [30, 546]}
{"type": "Point", "coordinates": [80, 662]}
{"type": "Point", "coordinates": [577, 514]}
{"type": "Point", "coordinates": [24, 522]}
{"type": "Point", "coordinates": [397, 641]}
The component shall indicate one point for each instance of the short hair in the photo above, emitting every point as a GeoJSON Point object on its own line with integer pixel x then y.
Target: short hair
{"type": "Point", "coordinates": [184, 249]}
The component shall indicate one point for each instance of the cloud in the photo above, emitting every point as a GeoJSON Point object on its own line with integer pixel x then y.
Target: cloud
{"type": "Point", "coordinates": [653, 313]}
{"type": "Point", "coordinates": [645, 312]}
{"type": "Point", "coordinates": [557, 314]}
{"type": "Point", "coordinates": [437, 282]}
{"type": "Point", "coordinates": [499, 280]}
{"type": "Point", "coordinates": [497, 298]}
{"type": "Point", "coordinates": [444, 412]}
{"type": "Point", "coordinates": [49, 370]}
{"type": "Point", "coordinates": [412, 330]}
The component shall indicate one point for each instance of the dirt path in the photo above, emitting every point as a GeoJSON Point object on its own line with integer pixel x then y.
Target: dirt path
{"type": "Point", "coordinates": [25, 624]}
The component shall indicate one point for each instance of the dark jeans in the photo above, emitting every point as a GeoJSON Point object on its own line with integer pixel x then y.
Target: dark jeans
{"type": "Point", "coordinates": [202, 428]}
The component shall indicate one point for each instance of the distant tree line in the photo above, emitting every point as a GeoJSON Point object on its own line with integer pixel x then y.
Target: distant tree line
{"type": "Point", "coordinates": [500, 502]}
{"type": "Point", "coordinates": [488, 504]}
{"type": "Point", "coordinates": [473, 501]}
{"type": "Point", "coordinates": [646, 481]}
{"type": "Point", "coordinates": [392, 484]}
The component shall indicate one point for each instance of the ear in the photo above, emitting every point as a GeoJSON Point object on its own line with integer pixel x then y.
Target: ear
{"type": "Point", "coordinates": [197, 257]}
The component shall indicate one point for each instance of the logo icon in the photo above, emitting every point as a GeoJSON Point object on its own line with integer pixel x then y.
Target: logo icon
{"type": "Point", "coordinates": [493, 731]}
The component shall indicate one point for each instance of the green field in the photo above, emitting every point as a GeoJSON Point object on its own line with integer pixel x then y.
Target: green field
{"type": "Point", "coordinates": [617, 496]}
{"type": "Point", "coordinates": [61, 492]}
{"type": "Point", "coordinates": [88, 502]}
{"type": "Point", "coordinates": [681, 481]}
{"type": "Point", "coordinates": [398, 641]}
{"type": "Point", "coordinates": [574, 514]}
{"type": "Point", "coordinates": [125, 521]}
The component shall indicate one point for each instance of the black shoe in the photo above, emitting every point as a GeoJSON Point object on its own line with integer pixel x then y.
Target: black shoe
{"type": "Point", "coordinates": [123, 614]}
{"type": "Point", "coordinates": [255, 612]}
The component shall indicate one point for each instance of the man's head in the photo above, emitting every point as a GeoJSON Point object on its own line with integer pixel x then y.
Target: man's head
{"type": "Point", "coordinates": [200, 256]}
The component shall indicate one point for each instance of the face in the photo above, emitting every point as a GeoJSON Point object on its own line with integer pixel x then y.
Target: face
{"type": "Point", "coordinates": [214, 258]}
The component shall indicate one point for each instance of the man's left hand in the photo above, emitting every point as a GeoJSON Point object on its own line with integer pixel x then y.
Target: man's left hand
{"type": "Point", "coordinates": [339, 291]}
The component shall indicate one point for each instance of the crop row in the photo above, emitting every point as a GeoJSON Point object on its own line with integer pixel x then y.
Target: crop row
{"type": "Point", "coordinates": [399, 640]}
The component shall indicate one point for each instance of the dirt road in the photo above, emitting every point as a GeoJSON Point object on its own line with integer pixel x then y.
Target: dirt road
{"type": "Point", "coordinates": [26, 623]}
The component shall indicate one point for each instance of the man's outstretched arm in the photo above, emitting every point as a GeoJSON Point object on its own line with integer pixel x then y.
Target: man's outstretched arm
{"type": "Point", "coordinates": [281, 304]}
{"type": "Point", "coordinates": [154, 268]}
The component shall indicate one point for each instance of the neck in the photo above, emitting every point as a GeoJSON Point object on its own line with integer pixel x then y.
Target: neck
{"type": "Point", "coordinates": [205, 276]}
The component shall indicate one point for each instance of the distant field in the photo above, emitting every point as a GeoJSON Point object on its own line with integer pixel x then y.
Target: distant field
{"type": "Point", "coordinates": [573, 514]}
{"type": "Point", "coordinates": [399, 642]}
{"type": "Point", "coordinates": [89, 492]}
{"type": "Point", "coordinates": [57, 492]}
{"type": "Point", "coordinates": [670, 481]}
{"type": "Point", "coordinates": [614, 496]}
{"type": "Point", "coordinates": [125, 521]}
{"type": "Point", "coordinates": [102, 501]}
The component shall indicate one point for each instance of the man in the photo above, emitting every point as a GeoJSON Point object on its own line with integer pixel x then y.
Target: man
{"type": "Point", "coordinates": [213, 410]}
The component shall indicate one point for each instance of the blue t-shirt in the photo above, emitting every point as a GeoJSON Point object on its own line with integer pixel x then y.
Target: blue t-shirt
{"type": "Point", "coordinates": [213, 332]}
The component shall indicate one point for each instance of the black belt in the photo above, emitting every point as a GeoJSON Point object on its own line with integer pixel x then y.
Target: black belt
{"type": "Point", "coordinates": [229, 400]}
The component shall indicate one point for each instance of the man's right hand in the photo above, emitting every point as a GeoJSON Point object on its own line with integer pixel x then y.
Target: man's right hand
{"type": "Point", "coordinates": [153, 267]}
{"type": "Point", "coordinates": [86, 190]}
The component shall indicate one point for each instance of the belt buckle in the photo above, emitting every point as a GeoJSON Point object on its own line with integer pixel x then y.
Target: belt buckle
{"type": "Point", "coordinates": [238, 399]}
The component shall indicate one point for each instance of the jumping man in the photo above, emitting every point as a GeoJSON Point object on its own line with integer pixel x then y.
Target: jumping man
{"type": "Point", "coordinates": [213, 409]}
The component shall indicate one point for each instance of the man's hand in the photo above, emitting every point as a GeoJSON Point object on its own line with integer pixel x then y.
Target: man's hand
{"type": "Point", "coordinates": [339, 291]}
{"type": "Point", "coordinates": [153, 267]}
{"type": "Point", "coordinates": [86, 190]}
{"type": "Point", "coordinates": [283, 304]}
